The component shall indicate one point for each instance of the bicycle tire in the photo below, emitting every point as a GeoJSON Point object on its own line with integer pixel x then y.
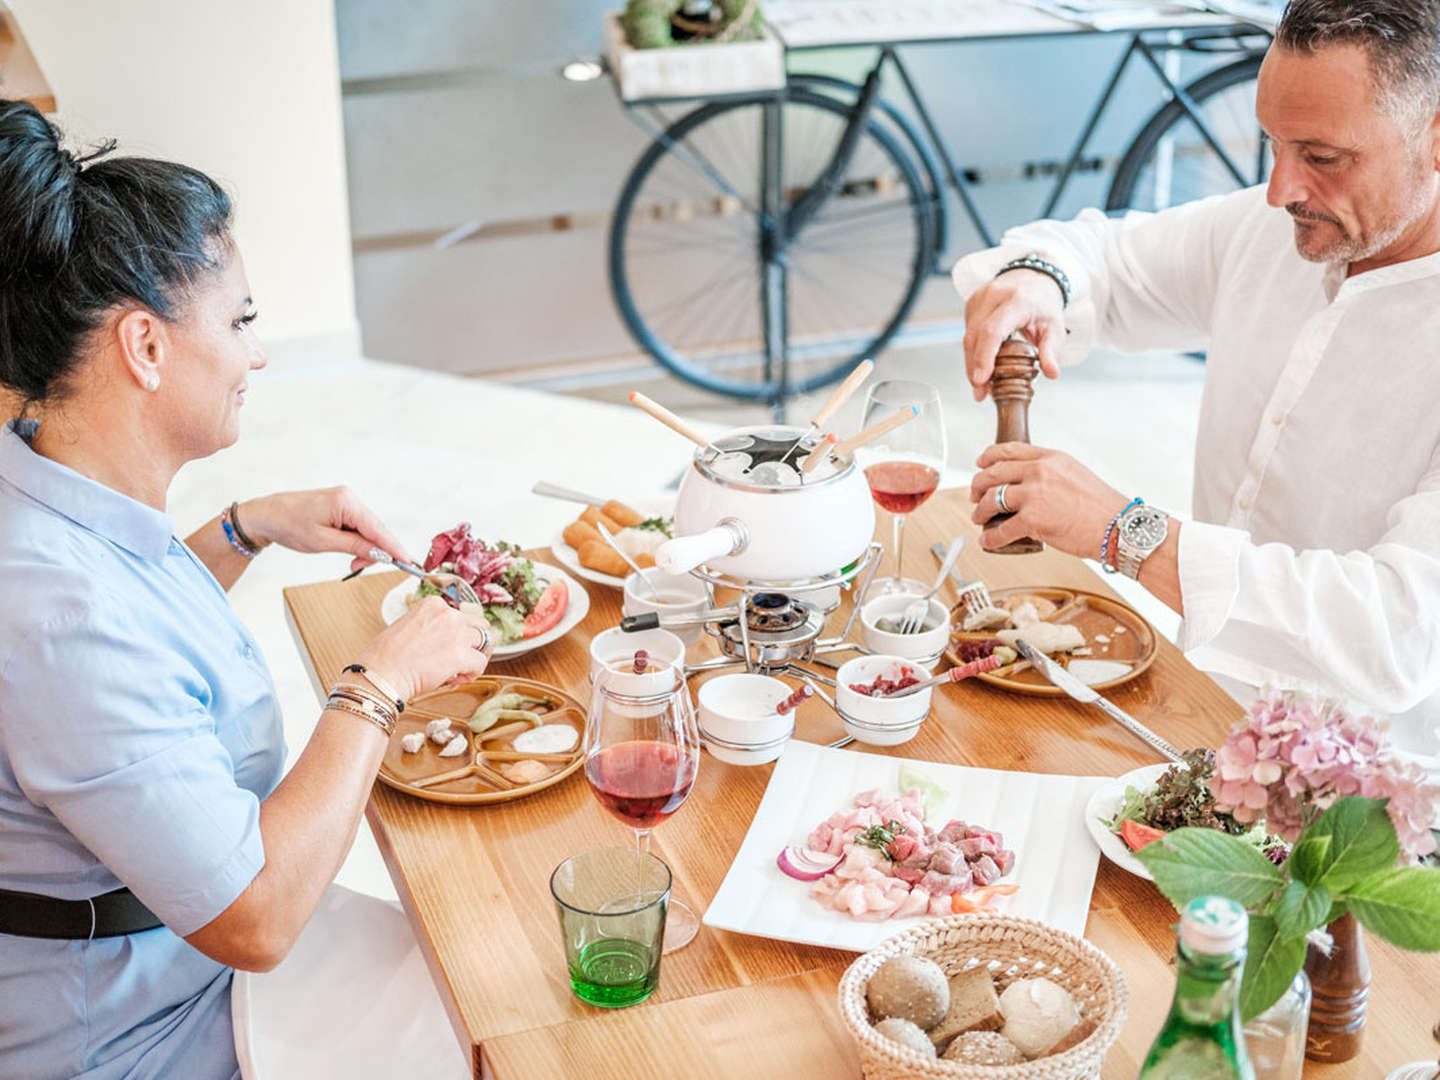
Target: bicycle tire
{"type": "Point", "coordinates": [765, 389]}
{"type": "Point", "coordinates": [1127, 174]}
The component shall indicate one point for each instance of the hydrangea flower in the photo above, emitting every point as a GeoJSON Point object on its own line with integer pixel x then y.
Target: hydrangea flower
{"type": "Point", "coordinates": [1291, 757]}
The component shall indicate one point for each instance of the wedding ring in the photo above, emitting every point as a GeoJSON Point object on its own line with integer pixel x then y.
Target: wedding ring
{"type": "Point", "coordinates": [1000, 503]}
{"type": "Point", "coordinates": [484, 639]}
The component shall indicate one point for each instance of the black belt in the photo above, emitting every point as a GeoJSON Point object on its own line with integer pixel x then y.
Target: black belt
{"type": "Point", "coordinates": [112, 914]}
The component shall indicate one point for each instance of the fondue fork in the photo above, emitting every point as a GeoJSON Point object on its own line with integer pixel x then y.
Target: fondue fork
{"type": "Point", "coordinates": [668, 418]}
{"type": "Point", "coordinates": [955, 674]}
{"type": "Point", "coordinates": [870, 434]}
{"type": "Point", "coordinates": [842, 394]}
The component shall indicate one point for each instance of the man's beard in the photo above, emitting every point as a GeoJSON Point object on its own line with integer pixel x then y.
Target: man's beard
{"type": "Point", "coordinates": [1352, 249]}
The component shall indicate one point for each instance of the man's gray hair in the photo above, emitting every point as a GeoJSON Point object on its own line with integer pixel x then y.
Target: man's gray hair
{"type": "Point", "coordinates": [1401, 36]}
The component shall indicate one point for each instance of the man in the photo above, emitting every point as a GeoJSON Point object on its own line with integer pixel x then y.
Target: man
{"type": "Point", "coordinates": [1313, 560]}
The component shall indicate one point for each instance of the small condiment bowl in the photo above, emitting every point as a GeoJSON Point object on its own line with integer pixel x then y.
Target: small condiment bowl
{"type": "Point", "coordinates": [679, 594]}
{"type": "Point", "coordinates": [614, 650]}
{"type": "Point", "coordinates": [921, 649]}
{"type": "Point", "coordinates": [738, 720]}
{"type": "Point", "coordinates": [875, 720]}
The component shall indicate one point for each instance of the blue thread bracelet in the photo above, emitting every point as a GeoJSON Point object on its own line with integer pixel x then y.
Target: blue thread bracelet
{"type": "Point", "coordinates": [235, 543]}
{"type": "Point", "coordinates": [1110, 531]}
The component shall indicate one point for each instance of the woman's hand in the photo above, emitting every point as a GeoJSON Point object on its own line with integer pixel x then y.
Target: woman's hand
{"type": "Point", "coordinates": [330, 519]}
{"type": "Point", "coordinates": [1024, 300]}
{"type": "Point", "coordinates": [432, 645]}
{"type": "Point", "coordinates": [1055, 498]}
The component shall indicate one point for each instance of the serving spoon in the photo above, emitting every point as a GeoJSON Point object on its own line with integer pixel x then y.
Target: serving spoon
{"type": "Point", "coordinates": [600, 527]}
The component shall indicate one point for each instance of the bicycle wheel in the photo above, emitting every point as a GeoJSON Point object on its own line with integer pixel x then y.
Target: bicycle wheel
{"type": "Point", "coordinates": [688, 243]}
{"type": "Point", "coordinates": [1171, 162]}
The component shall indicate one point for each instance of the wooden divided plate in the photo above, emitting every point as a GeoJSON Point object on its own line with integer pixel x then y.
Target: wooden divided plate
{"type": "Point", "coordinates": [475, 776]}
{"type": "Point", "coordinates": [1129, 639]}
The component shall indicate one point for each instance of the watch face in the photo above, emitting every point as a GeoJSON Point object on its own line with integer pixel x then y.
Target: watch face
{"type": "Point", "coordinates": [1145, 529]}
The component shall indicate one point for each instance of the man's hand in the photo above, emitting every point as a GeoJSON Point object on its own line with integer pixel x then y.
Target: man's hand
{"type": "Point", "coordinates": [332, 519]}
{"type": "Point", "coordinates": [1024, 300]}
{"type": "Point", "coordinates": [1055, 498]}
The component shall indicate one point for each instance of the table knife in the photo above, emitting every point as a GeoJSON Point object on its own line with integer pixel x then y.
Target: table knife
{"type": "Point", "coordinates": [1090, 696]}
{"type": "Point", "coordinates": [938, 550]}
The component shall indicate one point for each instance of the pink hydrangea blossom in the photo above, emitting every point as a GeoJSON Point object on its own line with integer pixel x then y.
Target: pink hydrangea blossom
{"type": "Point", "coordinates": [1291, 757]}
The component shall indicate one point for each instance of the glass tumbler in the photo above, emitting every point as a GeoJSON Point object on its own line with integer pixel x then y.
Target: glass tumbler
{"type": "Point", "coordinates": [612, 904]}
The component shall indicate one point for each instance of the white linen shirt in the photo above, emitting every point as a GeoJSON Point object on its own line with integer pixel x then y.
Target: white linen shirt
{"type": "Point", "coordinates": [1313, 562]}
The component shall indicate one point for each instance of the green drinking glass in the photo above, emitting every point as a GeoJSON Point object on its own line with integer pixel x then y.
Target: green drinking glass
{"type": "Point", "coordinates": [611, 904]}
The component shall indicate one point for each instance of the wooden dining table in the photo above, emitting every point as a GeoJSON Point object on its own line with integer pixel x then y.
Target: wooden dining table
{"type": "Point", "coordinates": [474, 881]}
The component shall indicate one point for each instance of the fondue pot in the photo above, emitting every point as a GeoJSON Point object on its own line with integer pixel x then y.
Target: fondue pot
{"type": "Point", "coordinates": [745, 510]}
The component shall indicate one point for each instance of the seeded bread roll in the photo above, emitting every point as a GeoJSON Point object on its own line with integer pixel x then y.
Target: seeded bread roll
{"type": "Point", "coordinates": [983, 1048]}
{"type": "Point", "coordinates": [906, 1034]}
{"type": "Point", "coordinates": [911, 988]}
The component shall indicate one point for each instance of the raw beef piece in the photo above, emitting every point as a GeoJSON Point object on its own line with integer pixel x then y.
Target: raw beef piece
{"type": "Point", "coordinates": [939, 884]}
{"type": "Point", "coordinates": [947, 859]}
{"type": "Point", "coordinates": [953, 832]}
{"type": "Point", "coordinates": [985, 870]}
{"type": "Point", "coordinates": [1005, 860]}
{"type": "Point", "coordinates": [909, 873]}
{"type": "Point", "coordinates": [975, 846]}
{"type": "Point", "coordinates": [995, 837]}
{"type": "Point", "coordinates": [902, 847]}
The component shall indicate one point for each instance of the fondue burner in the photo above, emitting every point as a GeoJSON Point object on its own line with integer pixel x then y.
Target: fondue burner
{"type": "Point", "coordinates": [778, 629]}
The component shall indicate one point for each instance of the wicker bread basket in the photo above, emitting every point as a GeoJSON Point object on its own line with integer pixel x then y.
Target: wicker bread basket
{"type": "Point", "coordinates": [1014, 949]}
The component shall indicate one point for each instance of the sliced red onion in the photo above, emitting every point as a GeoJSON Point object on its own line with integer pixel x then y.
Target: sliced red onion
{"type": "Point", "coordinates": [807, 864]}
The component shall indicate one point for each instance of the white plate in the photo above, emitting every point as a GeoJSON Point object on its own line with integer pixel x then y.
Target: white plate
{"type": "Point", "coordinates": [568, 557]}
{"type": "Point", "coordinates": [1103, 806]}
{"type": "Point", "coordinates": [1038, 815]}
{"type": "Point", "coordinates": [394, 605]}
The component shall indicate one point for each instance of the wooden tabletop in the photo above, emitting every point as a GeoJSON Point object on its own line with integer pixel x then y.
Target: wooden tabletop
{"type": "Point", "coordinates": [474, 881]}
{"type": "Point", "coordinates": [20, 76]}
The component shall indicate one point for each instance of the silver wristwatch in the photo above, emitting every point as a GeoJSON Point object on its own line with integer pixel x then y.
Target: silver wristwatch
{"type": "Point", "coordinates": [1139, 532]}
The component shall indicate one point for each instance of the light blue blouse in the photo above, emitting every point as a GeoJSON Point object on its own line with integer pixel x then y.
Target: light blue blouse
{"type": "Point", "coordinates": [138, 733]}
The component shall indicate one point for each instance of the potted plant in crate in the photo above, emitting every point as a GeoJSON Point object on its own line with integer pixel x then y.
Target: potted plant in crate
{"type": "Point", "coordinates": [665, 49]}
{"type": "Point", "coordinates": [1323, 779]}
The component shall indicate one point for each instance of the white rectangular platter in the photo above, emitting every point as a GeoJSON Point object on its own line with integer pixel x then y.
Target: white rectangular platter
{"type": "Point", "coordinates": [1041, 816]}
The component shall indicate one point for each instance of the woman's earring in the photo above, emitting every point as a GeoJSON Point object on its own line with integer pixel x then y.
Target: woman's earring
{"type": "Point", "coordinates": [152, 382]}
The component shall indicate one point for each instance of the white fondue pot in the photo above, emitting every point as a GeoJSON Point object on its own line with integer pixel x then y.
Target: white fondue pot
{"type": "Point", "coordinates": [733, 522]}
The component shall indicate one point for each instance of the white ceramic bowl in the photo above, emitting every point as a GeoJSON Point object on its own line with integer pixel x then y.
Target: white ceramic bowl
{"type": "Point", "coordinates": [612, 650]}
{"type": "Point", "coordinates": [738, 720]}
{"type": "Point", "coordinates": [924, 648]}
{"type": "Point", "coordinates": [679, 594]}
{"type": "Point", "coordinates": [879, 721]}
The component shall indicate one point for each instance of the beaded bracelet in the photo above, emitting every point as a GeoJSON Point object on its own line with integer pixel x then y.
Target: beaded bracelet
{"type": "Point", "coordinates": [240, 530]}
{"type": "Point", "coordinates": [235, 541]}
{"type": "Point", "coordinates": [1041, 266]}
{"type": "Point", "coordinates": [1110, 531]}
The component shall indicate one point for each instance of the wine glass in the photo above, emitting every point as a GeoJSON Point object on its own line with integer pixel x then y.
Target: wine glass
{"type": "Point", "coordinates": [642, 751]}
{"type": "Point", "coordinates": [903, 466]}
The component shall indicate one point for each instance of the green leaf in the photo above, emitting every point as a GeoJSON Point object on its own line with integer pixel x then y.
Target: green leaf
{"type": "Point", "coordinates": [1301, 908]}
{"type": "Point", "coordinates": [1401, 905]}
{"type": "Point", "coordinates": [1206, 862]}
{"type": "Point", "coordinates": [1271, 961]}
{"type": "Point", "coordinates": [1351, 839]}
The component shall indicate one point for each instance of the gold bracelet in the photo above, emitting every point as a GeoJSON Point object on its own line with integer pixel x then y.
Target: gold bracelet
{"type": "Point", "coordinates": [369, 695]}
{"type": "Point", "coordinates": [383, 685]}
{"type": "Point", "coordinates": [366, 700]}
{"type": "Point", "coordinates": [343, 706]}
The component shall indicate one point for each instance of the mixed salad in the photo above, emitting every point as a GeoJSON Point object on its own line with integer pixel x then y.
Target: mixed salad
{"type": "Point", "coordinates": [1181, 797]}
{"type": "Point", "coordinates": [515, 601]}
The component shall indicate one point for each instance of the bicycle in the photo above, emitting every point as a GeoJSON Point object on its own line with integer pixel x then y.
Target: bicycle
{"type": "Point", "coordinates": [773, 192]}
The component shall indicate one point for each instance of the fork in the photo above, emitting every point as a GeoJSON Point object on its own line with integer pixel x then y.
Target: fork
{"type": "Point", "coordinates": [913, 617]}
{"type": "Point", "coordinates": [973, 595]}
{"type": "Point", "coordinates": [453, 586]}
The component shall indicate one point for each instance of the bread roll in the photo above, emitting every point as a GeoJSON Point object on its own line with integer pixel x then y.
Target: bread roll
{"type": "Point", "coordinates": [598, 555]}
{"type": "Point", "coordinates": [621, 514]}
{"type": "Point", "coordinates": [579, 533]}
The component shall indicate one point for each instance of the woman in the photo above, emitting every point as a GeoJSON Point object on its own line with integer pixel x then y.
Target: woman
{"type": "Point", "coordinates": [148, 844]}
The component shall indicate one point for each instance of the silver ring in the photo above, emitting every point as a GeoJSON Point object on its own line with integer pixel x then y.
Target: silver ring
{"type": "Point", "coordinates": [484, 639]}
{"type": "Point", "coordinates": [1000, 503]}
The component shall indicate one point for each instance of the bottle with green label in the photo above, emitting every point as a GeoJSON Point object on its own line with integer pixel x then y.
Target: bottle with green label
{"type": "Point", "coordinates": [1202, 1038]}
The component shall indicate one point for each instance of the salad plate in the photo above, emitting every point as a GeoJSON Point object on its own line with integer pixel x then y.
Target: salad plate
{"type": "Point", "coordinates": [1038, 815]}
{"type": "Point", "coordinates": [1105, 803]}
{"type": "Point", "coordinates": [397, 601]}
{"type": "Point", "coordinates": [568, 557]}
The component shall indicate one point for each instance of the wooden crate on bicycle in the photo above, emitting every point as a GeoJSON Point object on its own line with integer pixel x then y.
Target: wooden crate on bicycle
{"type": "Point", "coordinates": [693, 70]}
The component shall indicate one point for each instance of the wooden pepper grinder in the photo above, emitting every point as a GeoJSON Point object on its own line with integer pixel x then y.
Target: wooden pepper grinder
{"type": "Point", "coordinates": [1012, 388]}
{"type": "Point", "coordinates": [1340, 984]}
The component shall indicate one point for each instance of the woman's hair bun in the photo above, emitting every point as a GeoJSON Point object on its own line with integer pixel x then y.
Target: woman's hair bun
{"type": "Point", "coordinates": [80, 236]}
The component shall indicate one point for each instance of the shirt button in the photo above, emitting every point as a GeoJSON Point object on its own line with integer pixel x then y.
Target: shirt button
{"type": "Point", "coordinates": [1244, 504]}
{"type": "Point", "coordinates": [1278, 419]}
{"type": "Point", "coordinates": [248, 652]}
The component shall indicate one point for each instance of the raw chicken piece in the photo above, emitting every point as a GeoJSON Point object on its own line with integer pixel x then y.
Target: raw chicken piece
{"type": "Point", "coordinates": [859, 860]}
{"type": "Point", "coordinates": [916, 903]}
{"type": "Point", "coordinates": [940, 905]}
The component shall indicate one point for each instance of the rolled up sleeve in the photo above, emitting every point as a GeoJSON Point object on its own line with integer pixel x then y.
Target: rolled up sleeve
{"type": "Point", "coordinates": [113, 737]}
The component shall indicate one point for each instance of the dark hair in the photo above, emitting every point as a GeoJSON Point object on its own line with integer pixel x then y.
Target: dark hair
{"type": "Point", "coordinates": [1402, 38]}
{"type": "Point", "coordinates": [78, 239]}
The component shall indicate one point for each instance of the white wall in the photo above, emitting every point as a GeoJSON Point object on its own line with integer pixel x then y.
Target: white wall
{"type": "Point", "coordinates": [249, 93]}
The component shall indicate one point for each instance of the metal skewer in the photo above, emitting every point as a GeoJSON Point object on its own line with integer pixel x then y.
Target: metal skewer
{"type": "Point", "coordinates": [832, 405]}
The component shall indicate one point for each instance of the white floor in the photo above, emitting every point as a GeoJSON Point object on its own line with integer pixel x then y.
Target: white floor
{"type": "Point", "coordinates": [426, 450]}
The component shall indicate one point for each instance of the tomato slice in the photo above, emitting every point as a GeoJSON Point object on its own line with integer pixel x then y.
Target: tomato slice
{"type": "Point", "coordinates": [548, 610]}
{"type": "Point", "coordinates": [1136, 835]}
